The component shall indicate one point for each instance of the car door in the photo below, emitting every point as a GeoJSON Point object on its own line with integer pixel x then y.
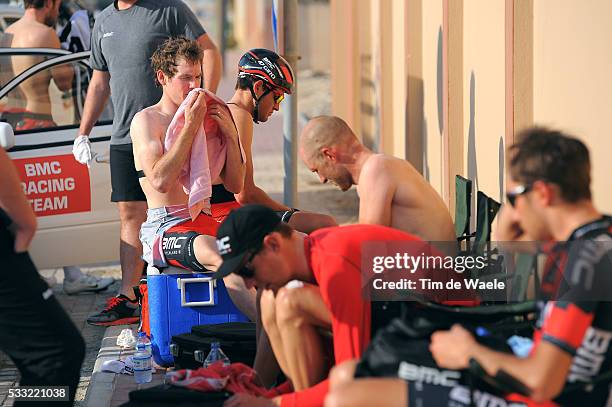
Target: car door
{"type": "Point", "coordinates": [77, 224]}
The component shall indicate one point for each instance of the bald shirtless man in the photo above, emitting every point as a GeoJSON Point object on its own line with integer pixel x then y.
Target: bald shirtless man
{"type": "Point", "coordinates": [35, 30]}
{"type": "Point", "coordinates": [391, 191]}
{"type": "Point", "coordinates": [178, 70]}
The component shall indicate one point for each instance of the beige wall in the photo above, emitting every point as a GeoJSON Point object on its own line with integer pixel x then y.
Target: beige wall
{"type": "Point", "coordinates": [484, 93]}
{"type": "Point", "coordinates": [444, 83]}
{"type": "Point", "coordinates": [252, 26]}
{"type": "Point", "coordinates": [431, 84]}
{"type": "Point", "coordinates": [313, 35]}
{"type": "Point", "coordinates": [572, 78]}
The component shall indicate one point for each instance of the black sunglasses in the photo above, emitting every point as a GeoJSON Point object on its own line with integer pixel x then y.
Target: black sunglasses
{"type": "Point", "coordinates": [245, 270]}
{"type": "Point", "coordinates": [519, 190]}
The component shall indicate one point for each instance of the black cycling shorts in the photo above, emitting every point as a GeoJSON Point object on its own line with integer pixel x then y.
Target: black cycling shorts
{"type": "Point", "coordinates": [124, 179]}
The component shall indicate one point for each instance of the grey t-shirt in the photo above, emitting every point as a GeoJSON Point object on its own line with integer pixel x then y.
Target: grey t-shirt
{"type": "Point", "coordinates": [122, 43]}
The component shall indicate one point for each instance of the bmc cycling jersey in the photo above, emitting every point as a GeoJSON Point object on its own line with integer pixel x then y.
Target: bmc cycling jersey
{"type": "Point", "coordinates": [578, 319]}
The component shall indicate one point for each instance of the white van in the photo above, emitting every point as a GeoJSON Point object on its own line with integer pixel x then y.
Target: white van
{"type": "Point", "coordinates": [77, 222]}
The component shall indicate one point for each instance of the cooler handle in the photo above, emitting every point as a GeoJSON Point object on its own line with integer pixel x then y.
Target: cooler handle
{"type": "Point", "coordinates": [182, 282]}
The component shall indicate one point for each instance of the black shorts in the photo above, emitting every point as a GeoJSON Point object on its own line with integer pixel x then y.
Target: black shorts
{"type": "Point", "coordinates": [382, 314]}
{"type": "Point", "coordinates": [427, 394]}
{"type": "Point", "coordinates": [124, 179]}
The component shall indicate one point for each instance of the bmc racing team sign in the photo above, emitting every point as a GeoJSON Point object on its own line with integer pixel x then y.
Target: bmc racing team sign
{"type": "Point", "coordinates": [55, 185]}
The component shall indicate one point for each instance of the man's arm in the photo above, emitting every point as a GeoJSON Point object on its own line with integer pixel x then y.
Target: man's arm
{"type": "Point", "coordinates": [98, 92]}
{"type": "Point", "coordinates": [233, 171]}
{"type": "Point", "coordinates": [251, 193]}
{"type": "Point", "coordinates": [62, 74]}
{"type": "Point", "coordinates": [15, 204]}
{"type": "Point", "coordinates": [376, 189]}
{"type": "Point", "coordinates": [211, 63]}
{"type": "Point", "coordinates": [163, 169]}
{"type": "Point", "coordinates": [544, 371]}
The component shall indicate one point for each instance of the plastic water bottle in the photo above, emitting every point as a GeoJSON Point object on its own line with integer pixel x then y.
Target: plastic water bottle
{"type": "Point", "coordinates": [215, 355]}
{"type": "Point", "coordinates": [142, 360]}
{"type": "Point", "coordinates": [144, 342]}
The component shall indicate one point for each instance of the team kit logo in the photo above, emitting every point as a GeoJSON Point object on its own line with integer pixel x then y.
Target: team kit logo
{"type": "Point", "coordinates": [223, 245]}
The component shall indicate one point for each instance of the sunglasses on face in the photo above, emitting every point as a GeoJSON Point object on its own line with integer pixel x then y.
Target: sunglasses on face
{"type": "Point", "coordinates": [278, 98]}
{"type": "Point", "coordinates": [517, 191]}
{"type": "Point", "coordinates": [246, 270]}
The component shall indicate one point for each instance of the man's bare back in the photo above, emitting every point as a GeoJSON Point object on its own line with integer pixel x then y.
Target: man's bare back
{"type": "Point", "coordinates": [393, 193]}
{"type": "Point", "coordinates": [29, 33]}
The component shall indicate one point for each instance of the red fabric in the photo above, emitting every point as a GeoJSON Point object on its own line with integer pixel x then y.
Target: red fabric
{"type": "Point", "coordinates": [235, 378]}
{"type": "Point", "coordinates": [36, 121]}
{"type": "Point", "coordinates": [221, 210]}
{"type": "Point", "coordinates": [528, 402]}
{"type": "Point", "coordinates": [566, 325]}
{"type": "Point", "coordinates": [204, 225]}
{"type": "Point", "coordinates": [335, 256]}
{"type": "Point", "coordinates": [145, 324]}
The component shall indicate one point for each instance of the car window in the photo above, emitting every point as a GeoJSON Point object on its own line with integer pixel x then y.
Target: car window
{"type": "Point", "coordinates": [10, 20]}
{"type": "Point", "coordinates": [50, 98]}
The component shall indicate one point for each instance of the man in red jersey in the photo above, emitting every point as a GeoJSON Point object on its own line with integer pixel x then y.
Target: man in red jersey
{"type": "Point", "coordinates": [266, 252]}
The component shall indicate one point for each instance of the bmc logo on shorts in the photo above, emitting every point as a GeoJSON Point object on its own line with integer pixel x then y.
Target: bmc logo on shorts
{"type": "Point", "coordinates": [461, 396]}
{"type": "Point", "coordinates": [173, 242]}
{"type": "Point", "coordinates": [224, 246]}
{"type": "Point", "coordinates": [430, 375]}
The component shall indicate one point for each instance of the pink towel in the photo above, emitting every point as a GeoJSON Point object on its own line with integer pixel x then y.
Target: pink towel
{"type": "Point", "coordinates": [208, 153]}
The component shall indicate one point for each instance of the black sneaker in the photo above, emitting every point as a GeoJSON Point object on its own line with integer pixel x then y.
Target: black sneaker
{"type": "Point", "coordinates": [120, 310]}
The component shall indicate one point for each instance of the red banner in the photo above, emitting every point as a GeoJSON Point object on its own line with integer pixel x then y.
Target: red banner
{"type": "Point", "coordinates": [55, 185]}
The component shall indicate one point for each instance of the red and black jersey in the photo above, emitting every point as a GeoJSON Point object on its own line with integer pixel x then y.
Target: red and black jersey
{"type": "Point", "coordinates": [576, 316]}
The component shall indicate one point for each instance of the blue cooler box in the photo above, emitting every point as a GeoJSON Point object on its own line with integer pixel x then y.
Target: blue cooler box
{"type": "Point", "coordinates": [178, 302]}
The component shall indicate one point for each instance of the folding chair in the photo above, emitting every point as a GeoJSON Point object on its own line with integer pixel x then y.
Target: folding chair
{"type": "Point", "coordinates": [486, 210]}
{"type": "Point", "coordinates": [463, 209]}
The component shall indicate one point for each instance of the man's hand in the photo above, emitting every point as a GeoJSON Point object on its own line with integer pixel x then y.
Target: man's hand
{"type": "Point", "coordinates": [452, 349]}
{"type": "Point", "coordinates": [81, 149]}
{"type": "Point", "coordinates": [507, 228]}
{"type": "Point", "coordinates": [246, 400]}
{"type": "Point", "coordinates": [195, 110]}
{"type": "Point", "coordinates": [224, 119]}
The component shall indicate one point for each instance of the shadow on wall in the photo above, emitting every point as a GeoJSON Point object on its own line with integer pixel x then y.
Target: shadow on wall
{"type": "Point", "coordinates": [472, 162]}
{"type": "Point", "coordinates": [414, 119]}
{"type": "Point", "coordinates": [502, 169]}
{"type": "Point", "coordinates": [440, 88]}
{"type": "Point", "coordinates": [426, 172]}
{"type": "Point", "coordinates": [367, 105]}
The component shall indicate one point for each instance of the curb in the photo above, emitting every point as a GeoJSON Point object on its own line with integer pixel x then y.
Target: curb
{"type": "Point", "coordinates": [102, 384]}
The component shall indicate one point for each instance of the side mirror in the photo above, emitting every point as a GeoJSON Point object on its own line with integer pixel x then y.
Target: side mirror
{"type": "Point", "coordinates": [7, 137]}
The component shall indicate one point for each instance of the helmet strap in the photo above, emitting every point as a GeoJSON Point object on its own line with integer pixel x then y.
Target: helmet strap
{"type": "Point", "coordinates": [256, 100]}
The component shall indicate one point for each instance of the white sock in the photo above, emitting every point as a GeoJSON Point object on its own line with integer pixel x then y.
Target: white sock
{"type": "Point", "coordinates": [72, 273]}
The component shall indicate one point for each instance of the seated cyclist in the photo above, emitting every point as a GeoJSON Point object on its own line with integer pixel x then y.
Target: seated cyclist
{"type": "Point", "coordinates": [549, 201]}
{"type": "Point", "coordinates": [171, 235]}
